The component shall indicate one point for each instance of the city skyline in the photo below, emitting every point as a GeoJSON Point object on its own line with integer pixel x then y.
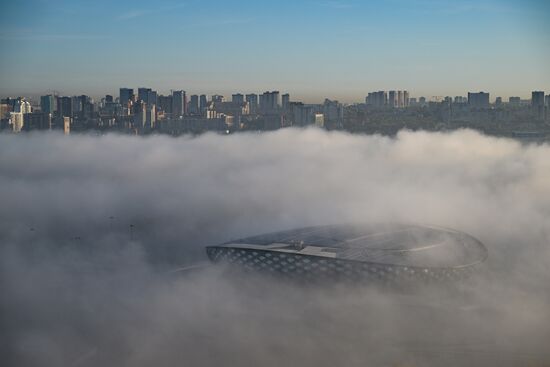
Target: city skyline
{"type": "Point", "coordinates": [35, 96]}
{"type": "Point", "coordinates": [145, 111]}
{"type": "Point", "coordinates": [431, 48]}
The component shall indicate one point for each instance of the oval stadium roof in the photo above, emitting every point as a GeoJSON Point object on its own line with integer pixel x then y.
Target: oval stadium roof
{"type": "Point", "coordinates": [388, 243]}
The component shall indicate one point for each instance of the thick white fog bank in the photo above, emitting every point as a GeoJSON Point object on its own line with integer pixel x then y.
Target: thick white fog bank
{"type": "Point", "coordinates": [90, 226]}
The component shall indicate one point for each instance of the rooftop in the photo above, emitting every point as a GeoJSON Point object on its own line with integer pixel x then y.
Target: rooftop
{"type": "Point", "coordinates": [387, 243]}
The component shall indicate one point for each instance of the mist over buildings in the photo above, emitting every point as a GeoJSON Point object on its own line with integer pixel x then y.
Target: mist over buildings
{"type": "Point", "coordinates": [91, 229]}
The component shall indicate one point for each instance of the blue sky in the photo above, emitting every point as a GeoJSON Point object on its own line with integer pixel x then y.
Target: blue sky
{"type": "Point", "coordinates": [312, 49]}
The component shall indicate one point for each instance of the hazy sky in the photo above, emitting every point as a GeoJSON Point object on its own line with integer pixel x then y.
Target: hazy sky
{"type": "Point", "coordinates": [312, 49]}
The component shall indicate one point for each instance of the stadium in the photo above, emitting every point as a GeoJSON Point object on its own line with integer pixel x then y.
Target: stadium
{"type": "Point", "coordinates": [381, 252]}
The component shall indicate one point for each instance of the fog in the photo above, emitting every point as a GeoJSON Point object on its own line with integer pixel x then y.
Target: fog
{"type": "Point", "coordinates": [94, 229]}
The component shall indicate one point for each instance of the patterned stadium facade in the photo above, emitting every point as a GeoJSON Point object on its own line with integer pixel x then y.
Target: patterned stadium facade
{"type": "Point", "coordinates": [378, 252]}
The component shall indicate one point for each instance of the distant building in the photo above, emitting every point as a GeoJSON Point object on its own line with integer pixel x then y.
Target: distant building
{"type": "Point", "coordinates": [498, 102]}
{"type": "Point", "coordinates": [179, 103]}
{"type": "Point", "coordinates": [537, 105]}
{"type": "Point", "coordinates": [203, 104]}
{"type": "Point", "coordinates": [67, 125]}
{"type": "Point", "coordinates": [47, 104]}
{"type": "Point", "coordinates": [139, 112]}
{"type": "Point", "coordinates": [237, 98]}
{"type": "Point", "coordinates": [301, 114]}
{"type": "Point", "coordinates": [150, 116]}
{"type": "Point", "coordinates": [64, 107]}
{"type": "Point", "coordinates": [217, 98]}
{"type": "Point", "coordinates": [285, 101]}
{"type": "Point", "coordinates": [16, 121]}
{"type": "Point", "coordinates": [22, 105]}
{"type": "Point", "coordinates": [37, 121]}
{"type": "Point", "coordinates": [406, 100]}
{"type": "Point", "coordinates": [216, 109]}
{"type": "Point", "coordinates": [392, 99]}
{"type": "Point", "coordinates": [194, 105]}
{"type": "Point", "coordinates": [4, 110]}
{"type": "Point", "coordinates": [333, 112]}
{"type": "Point", "coordinates": [165, 104]}
{"type": "Point", "coordinates": [85, 108]}
{"type": "Point", "coordinates": [252, 100]}
{"type": "Point", "coordinates": [125, 96]}
{"type": "Point", "coordinates": [319, 120]}
{"type": "Point", "coordinates": [143, 94]}
{"type": "Point", "coordinates": [478, 100]}
{"type": "Point", "coordinates": [147, 95]}
{"type": "Point", "coordinates": [514, 101]}
{"type": "Point", "coordinates": [400, 99]}
{"type": "Point", "coordinates": [389, 254]}
{"type": "Point", "coordinates": [422, 101]}
{"type": "Point", "coordinates": [269, 102]}
{"type": "Point", "coordinates": [377, 99]}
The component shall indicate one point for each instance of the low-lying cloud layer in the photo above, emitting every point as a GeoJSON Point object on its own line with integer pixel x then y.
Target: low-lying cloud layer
{"type": "Point", "coordinates": [91, 228]}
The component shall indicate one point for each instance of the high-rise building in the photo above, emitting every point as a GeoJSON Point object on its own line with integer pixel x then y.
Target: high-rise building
{"type": "Point", "coordinates": [37, 121]}
{"type": "Point", "coordinates": [4, 110]}
{"type": "Point", "coordinates": [498, 102]}
{"type": "Point", "coordinates": [269, 102]}
{"type": "Point", "coordinates": [301, 114]}
{"type": "Point", "coordinates": [22, 105]}
{"type": "Point", "coordinates": [514, 101]}
{"type": "Point", "coordinates": [237, 98]}
{"type": "Point", "coordinates": [16, 121]}
{"type": "Point", "coordinates": [67, 125]}
{"type": "Point", "coordinates": [165, 104]}
{"type": "Point", "coordinates": [109, 99]}
{"type": "Point", "coordinates": [319, 119]}
{"type": "Point", "coordinates": [139, 111]}
{"type": "Point", "coordinates": [143, 94]}
{"type": "Point", "coordinates": [275, 100]}
{"type": "Point", "coordinates": [537, 105]}
{"type": "Point", "coordinates": [422, 101]}
{"type": "Point", "coordinates": [147, 95]}
{"type": "Point", "coordinates": [392, 99]}
{"type": "Point", "coordinates": [333, 111]}
{"type": "Point", "coordinates": [64, 107]}
{"type": "Point", "coordinates": [285, 101]}
{"type": "Point", "coordinates": [203, 103]}
{"type": "Point", "coordinates": [153, 97]}
{"type": "Point", "coordinates": [150, 116]}
{"type": "Point", "coordinates": [252, 100]}
{"type": "Point", "coordinates": [406, 100]}
{"type": "Point", "coordinates": [478, 100]}
{"type": "Point", "coordinates": [377, 99]}
{"type": "Point", "coordinates": [82, 106]}
{"type": "Point", "coordinates": [194, 105]}
{"type": "Point", "coordinates": [179, 103]}
{"type": "Point", "coordinates": [400, 99]}
{"type": "Point", "coordinates": [125, 95]}
{"type": "Point", "coordinates": [47, 103]}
